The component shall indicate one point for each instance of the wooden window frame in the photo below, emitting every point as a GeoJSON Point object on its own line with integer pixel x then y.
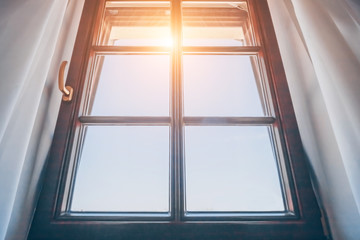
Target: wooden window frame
{"type": "Point", "coordinates": [51, 223]}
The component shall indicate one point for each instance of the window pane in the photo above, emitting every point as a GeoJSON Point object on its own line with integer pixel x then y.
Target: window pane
{"type": "Point", "coordinates": [136, 24]}
{"type": "Point", "coordinates": [221, 86]}
{"type": "Point", "coordinates": [231, 169]}
{"type": "Point", "coordinates": [123, 169]}
{"type": "Point", "coordinates": [132, 85]}
{"type": "Point", "coordinates": [216, 24]}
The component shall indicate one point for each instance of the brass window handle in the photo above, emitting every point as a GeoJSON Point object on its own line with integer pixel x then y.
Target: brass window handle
{"type": "Point", "coordinates": [66, 90]}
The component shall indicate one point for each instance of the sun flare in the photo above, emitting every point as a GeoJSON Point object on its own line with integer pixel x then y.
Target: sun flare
{"type": "Point", "coordinates": [166, 42]}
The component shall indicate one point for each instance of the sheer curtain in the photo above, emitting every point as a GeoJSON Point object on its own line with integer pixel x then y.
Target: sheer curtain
{"type": "Point", "coordinates": [32, 44]}
{"type": "Point", "coordinates": [319, 43]}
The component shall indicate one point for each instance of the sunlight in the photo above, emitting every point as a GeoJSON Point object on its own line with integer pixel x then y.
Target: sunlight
{"type": "Point", "coordinates": [141, 36]}
{"type": "Point", "coordinates": [126, 24]}
{"type": "Point", "coordinates": [166, 42]}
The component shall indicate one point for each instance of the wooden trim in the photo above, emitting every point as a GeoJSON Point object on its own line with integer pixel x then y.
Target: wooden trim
{"type": "Point", "coordinates": [252, 50]}
{"type": "Point", "coordinates": [301, 185]}
{"type": "Point", "coordinates": [304, 222]}
{"type": "Point", "coordinates": [47, 207]}
{"type": "Point", "coordinates": [138, 49]}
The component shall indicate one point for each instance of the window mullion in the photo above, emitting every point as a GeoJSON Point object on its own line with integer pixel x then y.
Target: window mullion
{"type": "Point", "coordinates": [151, 50]}
{"type": "Point", "coordinates": [177, 193]}
{"type": "Point", "coordinates": [221, 50]}
{"type": "Point", "coordinates": [119, 120]}
{"type": "Point", "coordinates": [228, 121]}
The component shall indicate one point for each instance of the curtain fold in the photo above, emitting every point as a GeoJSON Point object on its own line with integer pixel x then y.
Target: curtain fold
{"type": "Point", "coordinates": [319, 45]}
{"type": "Point", "coordinates": [29, 33]}
{"type": "Point", "coordinates": [335, 56]}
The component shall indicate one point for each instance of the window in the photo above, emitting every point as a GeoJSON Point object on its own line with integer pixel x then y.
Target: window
{"type": "Point", "coordinates": [181, 127]}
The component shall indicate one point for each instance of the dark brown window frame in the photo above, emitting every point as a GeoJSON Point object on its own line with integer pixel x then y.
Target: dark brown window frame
{"type": "Point", "coordinates": [50, 223]}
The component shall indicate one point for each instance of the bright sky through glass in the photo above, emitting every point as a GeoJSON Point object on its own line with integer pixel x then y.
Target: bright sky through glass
{"type": "Point", "coordinates": [133, 85]}
{"type": "Point", "coordinates": [227, 168]}
{"type": "Point", "coordinates": [221, 86]}
{"type": "Point", "coordinates": [231, 168]}
{"type": "Point", "coordinates": [123, 169]}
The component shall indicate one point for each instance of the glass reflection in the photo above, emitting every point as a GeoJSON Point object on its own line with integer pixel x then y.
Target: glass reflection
{"type": "Point", "coordinates": [136, 24]}
{"type": "Point", "coordinates": [216, 24]}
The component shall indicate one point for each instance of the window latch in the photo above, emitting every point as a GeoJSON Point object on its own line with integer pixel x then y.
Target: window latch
{"type": "Point", "coordinates": [66, 90]}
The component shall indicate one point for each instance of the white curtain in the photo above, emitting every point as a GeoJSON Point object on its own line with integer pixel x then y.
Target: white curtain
{"type": "Point", "coordinates": [319, 43]}
{"type": "Point", "coordinates": [32, 44]}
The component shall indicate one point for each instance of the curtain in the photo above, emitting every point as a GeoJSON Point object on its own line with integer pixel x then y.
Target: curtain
{"type": "Point", "coordinates": [32, 44]}
{"type": "Point", "coordinates": [319, 44]}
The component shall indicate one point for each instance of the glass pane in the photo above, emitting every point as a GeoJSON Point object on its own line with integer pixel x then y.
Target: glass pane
{"type": "Point", "coordinates": [231, 168]}
{"type": "Point", "coordinates": [222, 86]}
{"type": "Point", "coordinates": [136, 24]}
{"type": "Point", "coordinates": [216, 24]}
{"type": "Point", "coordinates": [123, 169]}
{"type": "Point", "coordinates": [131, 85]}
